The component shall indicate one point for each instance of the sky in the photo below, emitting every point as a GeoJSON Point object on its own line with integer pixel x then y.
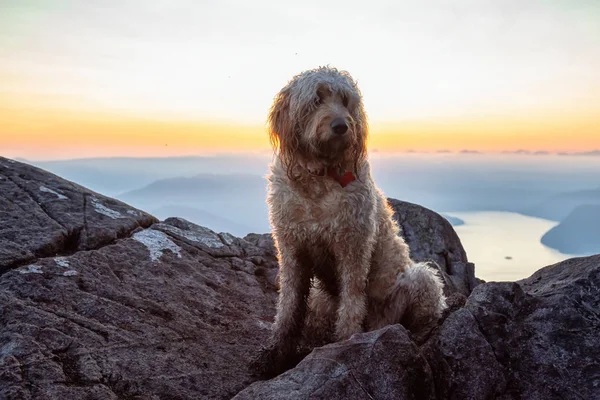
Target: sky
{"type": "Point", "coordinates": [166, 78]}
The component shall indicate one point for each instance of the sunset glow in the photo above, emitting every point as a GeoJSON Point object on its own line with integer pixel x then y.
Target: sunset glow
{"type": "Point", "coordinates": [83, 79]}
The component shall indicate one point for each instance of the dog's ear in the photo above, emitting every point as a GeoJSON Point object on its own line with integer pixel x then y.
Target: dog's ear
{"type": "Point", "coordinates": [279, 118]}
{"type": "Point", "coordinates": [359, 147]}
{"type": "Point", "coordinates": [281, 127]}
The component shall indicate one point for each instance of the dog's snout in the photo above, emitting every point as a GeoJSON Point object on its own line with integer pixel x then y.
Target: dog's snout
{"type": "Point", "coordinates": [339, 126]}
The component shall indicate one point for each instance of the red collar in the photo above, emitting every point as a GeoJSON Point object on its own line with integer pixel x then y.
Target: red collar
{"type": "Point", "coordinates": [344, 178]}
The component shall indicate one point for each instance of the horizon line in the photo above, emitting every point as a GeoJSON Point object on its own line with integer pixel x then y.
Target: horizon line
{"type": "Point", "coordinates": [464, 152]}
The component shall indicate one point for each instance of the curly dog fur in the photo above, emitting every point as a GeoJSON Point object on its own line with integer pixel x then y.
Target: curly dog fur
{"type": "Point", "coordinates": [343, 267]}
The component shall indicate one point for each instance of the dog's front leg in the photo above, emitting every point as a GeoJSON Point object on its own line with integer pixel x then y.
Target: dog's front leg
{"type": "Point", "coordinates": [353, 263]}
{"type": "Point", "coordinates": [294, 283]}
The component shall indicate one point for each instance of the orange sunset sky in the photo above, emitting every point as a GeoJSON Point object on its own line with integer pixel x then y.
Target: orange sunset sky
{"type": "Point", "coordinates": [166, 78]}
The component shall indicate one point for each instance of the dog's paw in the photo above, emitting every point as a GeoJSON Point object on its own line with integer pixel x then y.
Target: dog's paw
{"type": "Point", "coordinates": [262, 365]}
{"type": "Point", "coordinates": [273, 360]}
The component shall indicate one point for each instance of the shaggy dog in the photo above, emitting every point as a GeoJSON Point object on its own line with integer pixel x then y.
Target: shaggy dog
{"type": "Point", "coordinates": [343, 267]}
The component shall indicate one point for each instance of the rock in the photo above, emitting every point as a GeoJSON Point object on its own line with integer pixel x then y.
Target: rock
{"type": "Point", "coordinates": [383, 364]}
{"type": "Point", "coordinates": [464, 363]}
{"type": "Point", "coordinates": [432, 238]}
{"type": "Point", "coordinates": [43, 215]}
{"type": "Point", "coordinates": [150, 315]}
{"type": "Point", "coordinates": [264, 241]}
{"type": "Point", "coordinates": [132, 309]}
{"type": "Point", "coordinates": [534, 339]}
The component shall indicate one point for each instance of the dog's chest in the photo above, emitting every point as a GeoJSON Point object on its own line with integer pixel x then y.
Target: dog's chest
{"type": "Point", "coordinates": [335, 209]}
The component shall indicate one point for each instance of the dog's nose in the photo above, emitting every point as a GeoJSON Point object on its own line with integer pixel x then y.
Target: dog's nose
{"type": "Point", "coordinates": [339, 126]}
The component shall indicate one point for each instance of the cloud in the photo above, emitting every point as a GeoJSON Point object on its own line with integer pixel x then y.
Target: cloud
{"type": "Point", "coordinates": [592, 153]}
{"type": "Point", "coordinates": [226, 59]}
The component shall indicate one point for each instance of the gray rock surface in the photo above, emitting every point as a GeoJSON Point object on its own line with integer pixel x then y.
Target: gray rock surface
{"type": "Point", "coordinates": [42, 215]}
{"type": "Point", "coordinates": [383, 364]}
{"type": "Point", "coordinates": [535, 339]}
{"type": "Point", "coordinates": [130, 308]}
{"type": "Point", "coordinates": [174, 311]}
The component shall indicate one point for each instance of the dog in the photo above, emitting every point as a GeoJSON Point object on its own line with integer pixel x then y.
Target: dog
{"type": "Point", "coordinates": [343, 267]}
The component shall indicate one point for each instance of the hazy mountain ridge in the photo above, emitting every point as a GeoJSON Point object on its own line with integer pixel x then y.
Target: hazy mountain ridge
{"type": "Point", "coordinates": [199, 186]}
{"type": "Point", "coordinates": [114, 176]}
{"type": "Point", "coordinates": [560, 206]}
{"type": "Point", "coordinates": [578, 233]}
{"type": "Point", "coordinates": [201, 217]}
{"type": "Point", "coordinates": [234, 201]}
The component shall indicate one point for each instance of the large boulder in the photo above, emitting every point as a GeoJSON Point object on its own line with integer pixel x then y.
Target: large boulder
{"type": "Point", "coordinates": [534, 339]}
{"type": "Point", "coordinates": [383, 364]}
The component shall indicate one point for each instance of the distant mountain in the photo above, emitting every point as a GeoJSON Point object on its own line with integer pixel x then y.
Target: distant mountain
{"type": "Point", "coordinates": [200, 187]}
{"type": "Point", "coordinates": [239, 198]}
{"type": "Point", "coordinates": [454, 221]}
{"type": "Point", "coordinates": [112, 176]}
{"type": "Point", "coordinates": [201, 217]}
{"type": "Point", "coordinates": [578, 233]}
{"type": "Point", "coordinates": [558, 207]}
{"type": "Point", "coordinates": [442, 182]}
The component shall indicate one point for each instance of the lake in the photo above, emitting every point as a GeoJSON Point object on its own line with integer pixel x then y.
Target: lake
{"type": "Point", "coordinates": [505, 246]}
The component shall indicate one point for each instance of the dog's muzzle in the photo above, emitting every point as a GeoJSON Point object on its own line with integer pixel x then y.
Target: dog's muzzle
{"type": "Point", "coordinates": [339, 126]}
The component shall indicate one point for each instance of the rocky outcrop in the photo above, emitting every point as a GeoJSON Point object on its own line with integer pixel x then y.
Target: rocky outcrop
{"type": "Point", "coordinates": [533, 339]}
{"type": "Point", "coordinates": [43, 215]}
{"type": "Point", "coordinates": [173, 311]}
{"type": "Point", "coordinates": [384, 364]}
{"type": "Point", "coordinates": [100, 301]}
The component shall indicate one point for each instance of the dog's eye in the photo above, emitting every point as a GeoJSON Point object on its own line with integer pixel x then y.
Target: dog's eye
{"type": "Point", "coordinates": [318, 101]}
{"type": "Point", "coordinates": [345, 100]}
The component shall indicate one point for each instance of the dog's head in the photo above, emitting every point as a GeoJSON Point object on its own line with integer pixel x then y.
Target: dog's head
{"type": "Point", "coordinates": [319, 117]}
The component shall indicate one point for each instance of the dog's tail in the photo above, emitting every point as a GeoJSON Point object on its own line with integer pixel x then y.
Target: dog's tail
{"type": "Point", "coordinates": [422, 289]}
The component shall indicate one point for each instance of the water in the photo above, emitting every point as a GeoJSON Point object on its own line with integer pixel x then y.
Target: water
{"type": "Point", "coordinates": [505, 246]}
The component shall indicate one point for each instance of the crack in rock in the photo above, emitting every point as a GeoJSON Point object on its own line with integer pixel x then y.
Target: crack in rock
{"type": "Point", "coordinates": [33, 199]}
